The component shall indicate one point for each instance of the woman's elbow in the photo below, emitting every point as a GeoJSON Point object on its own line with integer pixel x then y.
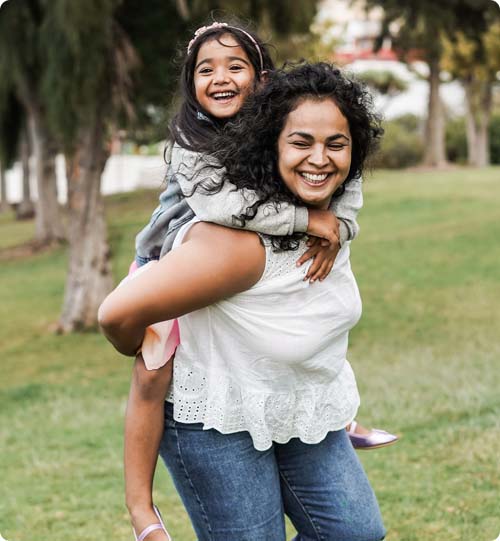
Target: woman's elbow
{"type": "Point", "coordinates": [117, 328]}
{"type": "Point", "coordinates": [110, 319]}
{"type": "Point", "coordinates": [104, 315]}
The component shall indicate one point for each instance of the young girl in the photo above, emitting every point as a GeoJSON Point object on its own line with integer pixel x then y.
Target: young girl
{"type": "Point", "coordinates": [224, 63]}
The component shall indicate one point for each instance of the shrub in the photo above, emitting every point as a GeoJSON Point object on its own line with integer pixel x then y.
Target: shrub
{"type": "Point", "coordinates": [401, 145]}
{"type": "Point", "coordinates": [495, 138]}
{"type": "Point", "coordinates": [456, 140]}
{"type": "Point", "coordinates": [410, 122]}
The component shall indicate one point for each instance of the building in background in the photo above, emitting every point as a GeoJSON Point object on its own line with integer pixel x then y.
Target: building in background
{"type": "Point", "coordinates": [354, 32]}
{"type": "Point", "coordinates": [123, 173]}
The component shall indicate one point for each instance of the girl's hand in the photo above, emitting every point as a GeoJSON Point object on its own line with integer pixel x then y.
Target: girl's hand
{"type": "Point", "coordinates": [324, 258]}
{"type": "Point", "coordinates": [325, 225]}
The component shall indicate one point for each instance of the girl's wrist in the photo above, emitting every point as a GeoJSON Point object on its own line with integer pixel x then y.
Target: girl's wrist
{"type": "Point", "coordinates": [301, 220]}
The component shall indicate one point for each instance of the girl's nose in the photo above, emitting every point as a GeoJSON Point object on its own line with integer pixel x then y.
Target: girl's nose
{"type": "Point", "coordinates": [220, 76]}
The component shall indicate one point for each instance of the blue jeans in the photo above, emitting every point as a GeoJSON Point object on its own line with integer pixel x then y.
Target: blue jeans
{"type": "Point", "coordinates": [233, 492]}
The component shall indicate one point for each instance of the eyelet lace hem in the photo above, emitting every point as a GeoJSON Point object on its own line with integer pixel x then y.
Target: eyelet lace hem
{"type": "Point", "coordinates": [308, 414]}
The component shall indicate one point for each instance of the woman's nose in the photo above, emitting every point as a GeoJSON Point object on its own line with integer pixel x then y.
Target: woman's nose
{"type": "Point", "coordinates": [318, 156]}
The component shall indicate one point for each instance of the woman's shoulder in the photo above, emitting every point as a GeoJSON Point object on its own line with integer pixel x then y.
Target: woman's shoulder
{"type": "Point", "coordinates": [241, 252]}
{"type": "Point", "coordinates": [239, 240]}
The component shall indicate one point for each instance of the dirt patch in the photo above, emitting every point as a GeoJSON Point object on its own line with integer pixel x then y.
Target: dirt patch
{"type": "Point", "coordinates": [448, 166]}
{"type": "Point", "coordinates": [26, 250]}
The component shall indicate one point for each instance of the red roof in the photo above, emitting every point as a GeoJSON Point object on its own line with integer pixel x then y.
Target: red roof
{"type": "Point", "coordinates": [365, 54]}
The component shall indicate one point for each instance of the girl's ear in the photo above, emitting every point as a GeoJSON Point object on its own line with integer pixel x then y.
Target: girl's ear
{"type": "Point", "coordinates": [264, 77]}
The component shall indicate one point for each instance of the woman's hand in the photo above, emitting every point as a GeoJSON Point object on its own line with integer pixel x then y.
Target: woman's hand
{"type": "Point", "coordinates": [324, 258]}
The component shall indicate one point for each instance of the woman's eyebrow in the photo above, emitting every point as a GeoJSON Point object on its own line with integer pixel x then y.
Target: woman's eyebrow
{"type": "Point", "coordinates": [309, 137]}
{"type": "Point", "coordinates": [338, 136]}
{"type": "Point", "coordinates": [230, 58]}
{"type": "Point", "coordinates": [305, 135]}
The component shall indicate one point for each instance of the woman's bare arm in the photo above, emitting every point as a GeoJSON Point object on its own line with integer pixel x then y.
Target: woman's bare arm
{"type": "Point", "coordinates": [213, 263]}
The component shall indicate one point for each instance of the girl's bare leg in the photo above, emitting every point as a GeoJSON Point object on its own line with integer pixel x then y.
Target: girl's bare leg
{"type": "Point", "coordinates": [144, 421]}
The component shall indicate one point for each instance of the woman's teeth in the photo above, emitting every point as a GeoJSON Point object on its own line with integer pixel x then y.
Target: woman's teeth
{"type": "Point", "coordinates": [315, 179]}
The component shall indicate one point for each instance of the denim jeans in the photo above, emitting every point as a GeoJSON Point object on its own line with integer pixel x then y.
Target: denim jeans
{"type": "Point", "coordinates": [233, 492]}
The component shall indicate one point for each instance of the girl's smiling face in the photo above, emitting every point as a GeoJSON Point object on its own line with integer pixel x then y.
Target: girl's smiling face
{"type": "Point", "coordinates": [314, 151]}
{"type": "Point", "coordinates": [223, 76]}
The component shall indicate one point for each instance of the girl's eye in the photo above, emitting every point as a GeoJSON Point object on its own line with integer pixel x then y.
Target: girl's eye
{"type": "Point", "coordinates": [205, 70]}
{"type": "Point", "coordinates": [236, 68]}
{"type": "Point", "coordinates": [300, 144]}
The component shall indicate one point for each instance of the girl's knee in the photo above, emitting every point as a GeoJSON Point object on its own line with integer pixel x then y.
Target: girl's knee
{"type": "Point", "coordinates": [151, 384]}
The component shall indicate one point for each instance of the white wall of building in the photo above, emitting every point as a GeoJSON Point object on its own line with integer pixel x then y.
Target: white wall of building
{"type": "Point", "coordinates": [123, 173]}
{"type": "Point", "coordinates": [414, 99]}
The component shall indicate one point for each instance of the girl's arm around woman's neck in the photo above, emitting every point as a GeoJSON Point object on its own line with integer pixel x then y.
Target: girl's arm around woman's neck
{"type": "Point", "coordinates": [213, 263]}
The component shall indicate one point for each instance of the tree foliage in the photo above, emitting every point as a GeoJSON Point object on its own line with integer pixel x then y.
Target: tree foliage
{"type": "Point", "coordinates": [12, 119]}
{"type": "Point", "coordinates": [419, 24]}
{"type": "Point", "coordinates": [285, 24]}
{"type": "Point", "coordinates": [19, 70]}
{"type": "Point", "coordinates": [479, 58]}
{"type": "Point", "coordinates": [23, 62]}
{"type": "Point", "coordinates": [156, 34]}
{"type": "Point", "coordinates": [98, 66]}
{"type": "Point", "coordinates": [417, 29]}
{"type": "Point", "coordinates": [476, 62]}
{"type": "Point", "coordinates": [280, 16]}
{"type": "Point", "coordinates": [89, 60]}
{"type": "Point", "coordinates": [384, 82]}
{"type": "Point", "coordinates": [19, 26]}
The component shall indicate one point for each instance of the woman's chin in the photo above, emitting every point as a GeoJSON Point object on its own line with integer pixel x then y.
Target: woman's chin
{"type": "Point", "coordinates": [318, 201]}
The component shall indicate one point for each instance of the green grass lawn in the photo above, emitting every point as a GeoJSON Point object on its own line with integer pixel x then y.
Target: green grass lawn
{"type": "Point", "coordinates": [426, 354]}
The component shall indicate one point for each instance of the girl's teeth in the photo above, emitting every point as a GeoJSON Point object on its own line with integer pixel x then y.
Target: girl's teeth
{"type": "Point", "coordinates": [314, 178]}
{"type": "Point", "coordinates": [224, 95]}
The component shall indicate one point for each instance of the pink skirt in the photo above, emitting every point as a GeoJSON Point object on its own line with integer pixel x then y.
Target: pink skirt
{"type": "Point", "coordinates": [160, 339]}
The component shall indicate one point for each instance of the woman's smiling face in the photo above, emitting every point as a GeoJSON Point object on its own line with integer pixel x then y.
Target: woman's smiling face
{"type": "Point", "coordinates": [223, 76]}
{"type": "Point", "coordinates": [314, 151]}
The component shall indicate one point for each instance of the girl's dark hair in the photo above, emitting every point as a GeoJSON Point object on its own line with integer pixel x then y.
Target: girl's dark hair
{"type": "Point", "coordinates": [193, 127]}
{"type": "Point", "coordinates": [248, 147]}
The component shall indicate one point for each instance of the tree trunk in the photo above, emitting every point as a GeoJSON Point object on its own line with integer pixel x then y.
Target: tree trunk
{"type": "Point", "coordinates": [470, 124]}
{"type": "Point", "coordinates": [4, 205]}
{"type": "Point", "coordinates": [483, 144]}
{"type": "Point", "coordinates": [478, 115]}
{"type": "Point", "coordinates": [183, 9]}
{"type": "Point", "coordinates": [48, 222]}
{"type": "Point", "coordinates": [25, 209]}
{"type": "Point", "coordinates": [89, 277]}
{"type": "Point", "coordinates": [435, 153]}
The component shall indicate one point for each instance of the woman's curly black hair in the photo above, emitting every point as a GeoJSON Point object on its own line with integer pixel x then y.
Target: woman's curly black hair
{"type": "Point", "coordinates": [248, 147]}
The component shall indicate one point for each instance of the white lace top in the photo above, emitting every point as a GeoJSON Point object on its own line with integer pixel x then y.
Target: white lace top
{"type": "Point", "coordinates": [271, 360]}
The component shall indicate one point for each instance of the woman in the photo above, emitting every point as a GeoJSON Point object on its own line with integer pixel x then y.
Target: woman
{"type": "Point", "coordinates": [262, 389]}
